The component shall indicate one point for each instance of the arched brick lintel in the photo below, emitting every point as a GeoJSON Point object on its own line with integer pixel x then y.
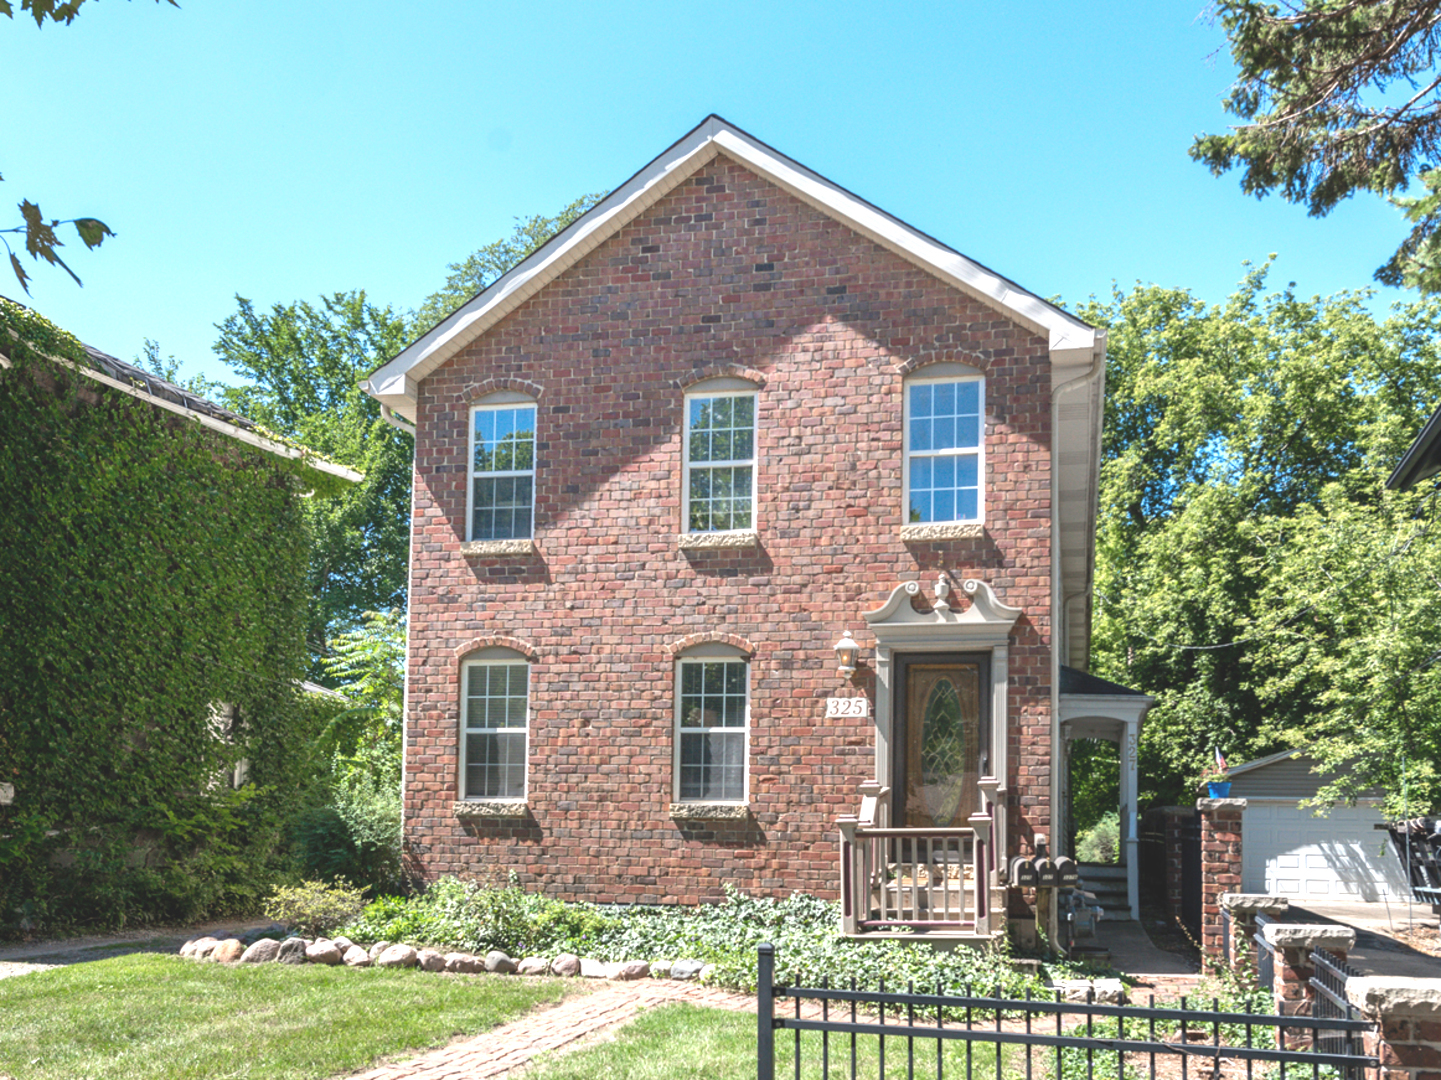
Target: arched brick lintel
{"type": "Point", "coordinates": [720, 371]}
{"type": "Point", "coordinates": [690, 641]}
{"type": "Point", "coordinates": [477, 390]}
{"type": "Point", "coordinates": [918, 363]}
{"type": "Point", "coordinates": [523, 647]}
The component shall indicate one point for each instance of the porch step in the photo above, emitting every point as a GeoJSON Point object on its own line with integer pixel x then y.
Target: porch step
{"type": "Point", "coordinates": [1097, 871]}
{"type": "Point", "coordinates": [1109, 885]}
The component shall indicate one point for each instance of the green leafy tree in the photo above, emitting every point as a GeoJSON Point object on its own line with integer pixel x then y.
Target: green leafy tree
{"type": "Point", "coordinates": [1229, 428]}
{"type": "Point", "coordinates": [303, 364]}
{"type": "Point", "coordinates": [41, 240]}
{"type": "Point", "coordinates": [1336, 97]}
{"type": "Point", "coordinates": [482, 266]}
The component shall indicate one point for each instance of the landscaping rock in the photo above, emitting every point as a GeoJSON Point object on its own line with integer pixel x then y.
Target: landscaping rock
{"type": "Point", "coordinates": [263, 951]}
{"type": "Point", "coordinates": [463, 963]}
{"type": "Point", "coordinates": [567, 964]}
{"type": "Point", "coordinates": [430, 960]}
{"type": "Point", "coordinates": [322, 952]}
{"type": "Point", "coordinates": [205, 947]}
{"type": "Point", "coordinates": [496, 961]}
{"type": "Point", "coordinates": [660, 969]}
{"type": "Point", "coordinates": [533, 965]}
{"type": "Point", "coordinates": [706, 973]}
{"type": "Point", "coordinates": [378, 948]}
{"type": "Point", "coordinates": [594, 969]}
{"type": "Point", "coordinates": [686, 969]}
{"type": "Point", "coordinates": [397, 956]}
{"type": "Point", "coordinates": [1096, 991]}
{"type": "Point", "coordinates": [228, 951]}
{"type": "Point", "coordinates": [355, 957]}
{"type": "Point", "coordinates": [190, 947]}
{"type": "Point", "coordinates": [632, 969]}
{"type": "Point", "coordinates": [292, 951]}
{"type": "Point", "coordinates": [342, 943]}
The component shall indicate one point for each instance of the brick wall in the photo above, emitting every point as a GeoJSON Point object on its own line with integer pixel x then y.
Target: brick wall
{"type": "Point", "coordinates": [726, 273]}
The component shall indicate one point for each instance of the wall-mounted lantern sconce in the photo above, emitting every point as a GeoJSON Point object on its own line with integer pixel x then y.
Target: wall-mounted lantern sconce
{"type": "Point", "coordinates": [846, 653]}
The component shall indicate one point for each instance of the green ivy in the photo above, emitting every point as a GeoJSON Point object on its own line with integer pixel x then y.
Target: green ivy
{"type": "Point", "coordinates": [151, 570]}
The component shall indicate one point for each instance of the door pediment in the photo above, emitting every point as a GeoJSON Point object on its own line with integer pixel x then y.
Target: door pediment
{"type": "Point", "coordinates": [986, 622]}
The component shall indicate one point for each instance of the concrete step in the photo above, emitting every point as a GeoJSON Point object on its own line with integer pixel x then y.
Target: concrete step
{"type": "Point", "coordinates": [1095, 871]}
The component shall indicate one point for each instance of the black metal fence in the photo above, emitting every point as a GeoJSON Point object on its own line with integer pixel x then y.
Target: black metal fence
{"type": "Point", "coordinates": [851, 1032]}
{"type": "Point", "coordinates": [1328, 988]}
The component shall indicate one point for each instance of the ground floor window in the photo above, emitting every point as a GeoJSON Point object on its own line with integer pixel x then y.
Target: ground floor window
{"type": "Point", "coordinates": [712, 721]}
{"type": "Point", "coordinates": [494, 719]}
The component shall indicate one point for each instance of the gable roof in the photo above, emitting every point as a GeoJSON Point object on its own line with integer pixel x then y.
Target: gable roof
{"type": "Point", "coordinates": [1423, 460]}
{"type": "Point", "coordinates": [394, 383]}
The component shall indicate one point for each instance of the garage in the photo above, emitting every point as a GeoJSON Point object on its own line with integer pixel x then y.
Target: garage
{"type": "Point", "coordinates": [1287, 851]}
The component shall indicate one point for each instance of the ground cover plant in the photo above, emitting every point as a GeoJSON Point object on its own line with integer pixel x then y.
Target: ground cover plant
{"type": "Point", "coordinates": [805, 931]}
{"type": "Point", "coordinates": [148, 1017]}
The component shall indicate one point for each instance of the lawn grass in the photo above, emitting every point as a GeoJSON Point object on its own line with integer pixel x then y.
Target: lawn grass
{"type": "Point", "coordinates": [146, 1016]}
{"type": "Point", "coordinates": [686, 1042]}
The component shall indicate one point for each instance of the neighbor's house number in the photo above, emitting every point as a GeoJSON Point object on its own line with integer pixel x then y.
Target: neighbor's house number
{"type": "Point", "coordinates": [848, 706]}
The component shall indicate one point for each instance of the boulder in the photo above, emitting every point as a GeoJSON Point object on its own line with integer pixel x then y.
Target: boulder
{"type": "Point", "coordinates": [565, 964]}
{"type": "Point", "coordinates": [595, 969]}
{"type": "Point", "coordinates": [533, 965]}
{"type": "Point", "coordinates": [631, 969]}
{"type": "Point", "coordinates": [342, 943]}
{"type": "Point", "coordinates": [355, 956]}
{"type": "Point", "coordinates": [263, 951]}
{"type": "Point", "coordinates": [463, 963]}
{"type": "Point", "coordinates": [292, 951]}
{"type": "Point", "coordinates": [397, 956]}
{"type": "Point", "coordinates": [322, 952]}
{"type": "Point", "coordinates": [378, 948]}
{"type": "Point", "coordinates": [228, 951]}
{"type": "Point", "coordinates": [190, 947]}
{"type": "Point", "coordinates": [660, 969]}
{"type": "Point", "coordinates": [497, 962]}
{"type": "Point", "coordinates": [430, 960]}
{"type": "Point", "coordinates": [686, 969]}
{"type": "Point", "coordinates": [705, 973]}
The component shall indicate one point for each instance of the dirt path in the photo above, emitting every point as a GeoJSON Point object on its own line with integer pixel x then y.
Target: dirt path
{"type": "Point", "coordinates": [21, 959]}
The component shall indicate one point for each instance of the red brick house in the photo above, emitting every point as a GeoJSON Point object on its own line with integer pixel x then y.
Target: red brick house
{"type": "Point", "coordinates": [663, 468]}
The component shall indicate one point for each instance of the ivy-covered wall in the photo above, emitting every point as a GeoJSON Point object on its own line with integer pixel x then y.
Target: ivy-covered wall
{"type": "Point", "coordinates": [149, 569]}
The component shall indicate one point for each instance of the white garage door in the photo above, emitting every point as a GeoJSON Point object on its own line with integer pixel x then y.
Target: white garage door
{"type": "Point", "coordinates": [1287, 852]}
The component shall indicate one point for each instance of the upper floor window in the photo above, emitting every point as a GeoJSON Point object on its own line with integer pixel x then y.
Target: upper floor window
{"type": "Point", "coordinates": [944, 453]}
{"type": "Point", "coordinates": [712, 721]}
{"type": "Point", "coordinates": [720, 434]}
{"type": "Point", "coordinates": [494, 722]}
{"type": "Point", "coordinates": [502, 469]}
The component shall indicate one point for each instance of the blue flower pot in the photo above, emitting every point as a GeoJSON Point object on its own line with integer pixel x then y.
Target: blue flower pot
{"type": "Point", "coordinates": [1218, 789]}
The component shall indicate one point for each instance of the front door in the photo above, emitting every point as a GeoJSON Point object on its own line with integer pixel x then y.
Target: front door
{"type": "Point", "coordinates": [942, 734]}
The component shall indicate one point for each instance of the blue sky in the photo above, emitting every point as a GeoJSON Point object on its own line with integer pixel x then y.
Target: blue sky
{"type": "Point", "coordinates": [283, 150]}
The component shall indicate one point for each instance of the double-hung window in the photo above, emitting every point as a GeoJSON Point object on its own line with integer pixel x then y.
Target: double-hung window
{"type": "Point", "coordinates": [494, 721]}
{"type": "Point", "coordinates": [944, 451]}
{"type": "Point", "coordinates": [502, 471]}
{"type": "Point", "coordinates": [720, 459]}
{"type": "Point", "coordinates": [712, 724]}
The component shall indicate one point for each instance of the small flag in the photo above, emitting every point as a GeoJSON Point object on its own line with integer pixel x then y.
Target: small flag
{"type": "Point", "coordinates": [1220, 761]}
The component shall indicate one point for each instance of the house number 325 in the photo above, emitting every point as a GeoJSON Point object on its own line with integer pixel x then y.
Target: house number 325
{"type": "Point", "coordinates": [848, 706]}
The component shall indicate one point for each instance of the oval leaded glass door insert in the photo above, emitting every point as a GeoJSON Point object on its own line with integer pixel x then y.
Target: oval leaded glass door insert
{"type": "Point", "coordinates": [943, 732]}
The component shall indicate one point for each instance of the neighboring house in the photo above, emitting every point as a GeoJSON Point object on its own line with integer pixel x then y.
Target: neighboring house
{"type": "Point", "coordinates": [1286, 850]}
{"type": "Point", "coordinates": [1423, 460]}
{"type": "Point", "coordinates": [731, 423]}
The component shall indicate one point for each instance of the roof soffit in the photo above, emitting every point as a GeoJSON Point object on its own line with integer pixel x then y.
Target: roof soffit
{"type": "Point", "coordinates": [395, 382]}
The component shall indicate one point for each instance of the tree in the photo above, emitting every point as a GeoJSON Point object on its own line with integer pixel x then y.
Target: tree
{"type": "Point", "coordinates": [303, 364]}
{"type": "Point", "coordinates": [1336, 97]}
{"type": "Point", "coordinates": [41, 240]}
{"type": "Point", "coordinates": [1236, 436]}
{"type": "Point", "coordinates": [481, 267]}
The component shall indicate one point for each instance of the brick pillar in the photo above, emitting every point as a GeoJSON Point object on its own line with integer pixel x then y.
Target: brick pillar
{"type": "Point", "coordinates": [1293, 944]}
{"type": "Point", "coordinates": [1244, 907]}
{"type": "Point", "coordinates": [1220, 867]}
{"type": "Point", "coordinates": [1408, 1011]}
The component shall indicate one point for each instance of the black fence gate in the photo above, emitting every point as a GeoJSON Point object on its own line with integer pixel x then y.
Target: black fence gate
{"type": "Point", "coordinates": [850, 1032]}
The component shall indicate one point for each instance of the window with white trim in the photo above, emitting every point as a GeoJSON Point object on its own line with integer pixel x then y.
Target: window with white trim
{"type": "Point", "coordinates": [712, 728]}
{"type": "Point", "coordinates": [502, 470]}
{"type": "Point", "coordinates": [945, 455]}
{"type": "Point", "coordinates": [720, 459]}
{"type": "Point", "coordinates": [494, 722]}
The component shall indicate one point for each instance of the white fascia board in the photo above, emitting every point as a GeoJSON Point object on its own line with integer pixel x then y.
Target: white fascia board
{"type": "Point", "coordinates": [394, 383]}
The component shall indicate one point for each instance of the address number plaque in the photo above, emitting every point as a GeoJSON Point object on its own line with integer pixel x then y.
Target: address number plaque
{"type": "Point", "coordinates": [848, 706]}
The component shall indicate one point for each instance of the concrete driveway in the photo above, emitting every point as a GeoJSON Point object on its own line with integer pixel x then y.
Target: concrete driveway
{"type": "Point", "coordinates": [1382, 933]}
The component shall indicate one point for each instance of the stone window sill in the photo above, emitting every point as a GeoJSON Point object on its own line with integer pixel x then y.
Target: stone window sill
{"type": "Point", "coordinates": [699, 811]}
{"type": "Point", "coordinates": [475, 809]}
{"type": "Point", "coordinates": [702, 541]}
{"type": "Point", "coordinates": [942, 530]}
{"type": "Point", "coordinates": [498, 547]}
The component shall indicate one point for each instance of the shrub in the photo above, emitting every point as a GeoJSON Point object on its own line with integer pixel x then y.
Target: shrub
{"type": "Point", "coordinates": [1101, 843]}
{"type": "Point", "coordinates": [313, 907]}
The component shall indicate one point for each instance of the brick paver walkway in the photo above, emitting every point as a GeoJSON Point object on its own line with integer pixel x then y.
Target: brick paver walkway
{"type": "Point", "coordinates": [514, 1045]}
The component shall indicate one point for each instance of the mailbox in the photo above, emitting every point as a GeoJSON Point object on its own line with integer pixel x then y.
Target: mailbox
{"type": "Point", "coordinates": [1023, 872]}
{"type": "Point", "coordinates": [1046, 876]}
{"type": "Point", "coordinates": [1068, 874]}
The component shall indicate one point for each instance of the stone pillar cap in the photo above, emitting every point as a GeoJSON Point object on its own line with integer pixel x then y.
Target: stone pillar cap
{"type": "Point", "coordinates": [1308, 936]}
{"type": "Point", "coordinates": [1245, 903]}
{"type": "Point", "coordinates": [1220, 804]}
{"type": "Point", "coordinates": [1395, 995]}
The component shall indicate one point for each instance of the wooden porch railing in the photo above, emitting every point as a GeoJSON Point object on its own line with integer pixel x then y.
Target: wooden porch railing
{"type": "Point", "coordinates": [920, 879]}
